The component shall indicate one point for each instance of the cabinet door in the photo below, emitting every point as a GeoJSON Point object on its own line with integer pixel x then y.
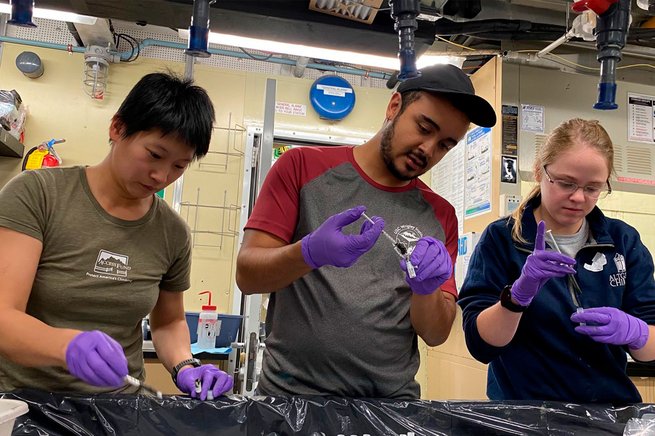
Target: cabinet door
{"type": "Point", "coordinates": [645, 387]}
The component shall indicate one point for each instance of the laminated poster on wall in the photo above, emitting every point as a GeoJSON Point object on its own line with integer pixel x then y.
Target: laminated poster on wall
{"type": "Point", "coordinates": [532, 118]}
{"type": "Point", "coordinates": [477, 200]}
{"type": "Point", "coordinates": [641, 109]}
{"type": "Point", "coordinates": [509, 144]}
{"type": "Point", "coordinates": [448, 180]}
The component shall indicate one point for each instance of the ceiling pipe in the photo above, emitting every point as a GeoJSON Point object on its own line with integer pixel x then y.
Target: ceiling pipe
{"type": "Point", "coordinates": [21, 13]}
{"type": "Point", "coordinates": [530, 60]}
{"type": "Point", "coordinates": [611, 35]}
{"type": "Point", "coordinates": [41, 44]}
{"type": "Point", "coordinates": [632, 50]}
{"type": "Point", "coordinates": [235, 54]}
{"type": "Point", "coordinates": [404, 13]}
{"type": "Point", "coordinates": [199, 29]}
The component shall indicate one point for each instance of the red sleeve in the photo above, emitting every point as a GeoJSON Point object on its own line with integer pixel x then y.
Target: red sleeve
{"type": "Point", "coordinates": [445, 214]}
{"type": "Point", "coordinates": [276, 207]}
{"type": "Point", "coordinates": [452, 241]}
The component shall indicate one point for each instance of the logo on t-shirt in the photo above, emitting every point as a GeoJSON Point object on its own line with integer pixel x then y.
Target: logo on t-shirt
{"type": "Point", "coordinates": [597, 263]}
{"type": "Point", "coordinates": [619, 261]}
{"type": "Point", "coordinates": [112, 266]}
{"type": "Point", "coordinates": [618, 279]}
{"type": "Point", "coordinates": [407, 236]}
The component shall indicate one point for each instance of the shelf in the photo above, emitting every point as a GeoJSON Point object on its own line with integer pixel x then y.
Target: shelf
{"type": "Point", "coordinates": [9, 146]}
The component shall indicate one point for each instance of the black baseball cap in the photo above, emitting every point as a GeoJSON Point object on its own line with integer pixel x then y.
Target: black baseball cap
{"type": "Point", "coordinates": [455, 85]}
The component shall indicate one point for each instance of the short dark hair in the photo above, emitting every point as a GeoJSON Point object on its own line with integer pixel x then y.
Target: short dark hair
{"type": "Point", "coordinates": [172, 105]}
{"type": "Point", "coordinates": [408, 97]}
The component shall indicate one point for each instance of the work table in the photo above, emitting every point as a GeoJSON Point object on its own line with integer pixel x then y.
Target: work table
{"type": "Point", "coordinates": [235, 415]}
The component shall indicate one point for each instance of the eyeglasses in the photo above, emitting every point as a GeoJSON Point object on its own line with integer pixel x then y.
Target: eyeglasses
{"type": "Point", "coordinates": [589, 191]}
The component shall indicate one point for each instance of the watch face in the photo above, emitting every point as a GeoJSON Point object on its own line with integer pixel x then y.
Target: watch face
{"type": "Point", "coordinates": [507, 303]}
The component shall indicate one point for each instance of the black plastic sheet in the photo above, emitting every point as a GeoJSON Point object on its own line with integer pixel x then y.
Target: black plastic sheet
{"type": "Point", "coordinates": [61, 414]}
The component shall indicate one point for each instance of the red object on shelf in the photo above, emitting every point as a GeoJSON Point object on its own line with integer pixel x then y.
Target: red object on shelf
{"type": "Point", "coordinates": [209, 305]}
{"type": "Point", "coordinates": [49, 161]}
{"type": "Point", "coordinates": [598, 6]}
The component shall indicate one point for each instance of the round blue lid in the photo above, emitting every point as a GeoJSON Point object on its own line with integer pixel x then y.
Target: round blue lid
{"type": "Point", "coordinates": [332, 97]}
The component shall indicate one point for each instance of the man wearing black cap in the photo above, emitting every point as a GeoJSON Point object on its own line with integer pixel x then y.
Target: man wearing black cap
{"type": "Point", "coordinates": [346, 305]}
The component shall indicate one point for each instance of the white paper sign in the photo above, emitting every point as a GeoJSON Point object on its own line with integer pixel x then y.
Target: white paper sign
{"type": "Point", "coordinates": [640, 118]}
{"type": "Point", "coordinates": [532, 118]}
{"type": "Point", "coordinates": [296, 109]}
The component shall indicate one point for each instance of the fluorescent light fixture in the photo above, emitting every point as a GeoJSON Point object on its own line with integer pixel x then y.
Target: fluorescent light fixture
{"type": "Point", "coordinates": [349, 57]}
{"type": "Point", "coordinates": [51, 14]}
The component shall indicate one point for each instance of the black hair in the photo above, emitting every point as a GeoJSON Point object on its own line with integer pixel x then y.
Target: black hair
{"type": "Point", "coordinates": [408, 97]}
{"type": "Point", "coordinates": [172, 105]}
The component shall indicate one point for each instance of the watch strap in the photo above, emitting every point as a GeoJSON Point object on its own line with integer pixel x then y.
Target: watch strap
{"type": "Point", "coordinates": [507, 303]}
{"type": "Point", "coordinates": [176, 369]}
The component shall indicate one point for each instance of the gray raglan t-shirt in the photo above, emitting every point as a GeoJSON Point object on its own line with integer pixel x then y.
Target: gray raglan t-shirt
{"type": "Point", "coordinates": [345, 331]}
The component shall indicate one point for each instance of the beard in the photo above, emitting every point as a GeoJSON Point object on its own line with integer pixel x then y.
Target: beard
{"type": "Point", "coordinates": [387, 157]}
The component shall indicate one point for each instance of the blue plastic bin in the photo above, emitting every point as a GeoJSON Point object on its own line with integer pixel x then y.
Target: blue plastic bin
{"type": "Point", "coordinates": [230, 325]}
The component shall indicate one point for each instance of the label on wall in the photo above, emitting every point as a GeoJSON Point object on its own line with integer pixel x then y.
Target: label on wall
{"type": "Point", "coordinates": [510, 130]}
{"type": "Point", "coordinates": [640, 118]}
{"type": "Point", "coordinates": [285, 108]}
{"type": "Point", "coordinates": [337, 91]}
{"type": "Point", "coordinates": [532, 118]}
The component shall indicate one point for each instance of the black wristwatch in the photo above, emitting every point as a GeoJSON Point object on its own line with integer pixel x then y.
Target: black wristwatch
{"type": "Point", "coordinates": [176, 369]}
{"type": "Point", "coordinates": [507, 303]}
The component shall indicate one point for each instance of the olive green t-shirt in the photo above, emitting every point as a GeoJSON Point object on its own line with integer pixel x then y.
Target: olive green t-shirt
{"type": "Point", "coordinates": [96, 272]}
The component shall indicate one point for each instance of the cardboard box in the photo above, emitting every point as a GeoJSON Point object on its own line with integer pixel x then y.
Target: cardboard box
{"type": "Point", "coordinates": [363, 11]}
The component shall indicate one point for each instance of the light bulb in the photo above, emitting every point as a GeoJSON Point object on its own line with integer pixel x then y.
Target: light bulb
{"type": "Point", "coordinates": [96, 72]}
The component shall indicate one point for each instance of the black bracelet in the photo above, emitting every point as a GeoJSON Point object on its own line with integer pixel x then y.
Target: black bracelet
{"type": "Point", "coordinates": [176, 369]}
{"type": "Point", "coordinates": [507, 303]}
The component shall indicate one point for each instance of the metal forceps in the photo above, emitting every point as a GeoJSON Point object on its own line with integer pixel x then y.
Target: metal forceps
{"type": "Point", "coordinates": [574, 287]}
{"type": "Point", "coordinates": [136, 382]}
{"type": "Point", "coordinates": [398, 248]}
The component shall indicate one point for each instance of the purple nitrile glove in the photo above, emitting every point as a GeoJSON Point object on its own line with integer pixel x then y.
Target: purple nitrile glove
{"type": "Point", "coordinates": [612, 326]}
{"type": "Point", "coordinates": [432, 265]}
{"type": "Point", "coordinates": [540, 267]}
{"type": "Point", "coordinates": [211, 378]}
{"type": "Point", "coordinates": [97, 359]}
{"type": "Point", "coordinates": [327, 245]}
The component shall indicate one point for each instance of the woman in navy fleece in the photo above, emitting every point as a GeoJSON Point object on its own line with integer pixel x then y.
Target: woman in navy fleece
{"type": "Point", "coordinates": [558, 326]}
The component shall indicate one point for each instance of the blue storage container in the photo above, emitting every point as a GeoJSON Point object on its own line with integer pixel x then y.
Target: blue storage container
{"type": "Point", "coordinates": [229, 329]}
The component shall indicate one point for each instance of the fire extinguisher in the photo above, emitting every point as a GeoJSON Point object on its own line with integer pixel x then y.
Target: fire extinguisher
{"type": "Point", "coordinates": [43, 155]}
